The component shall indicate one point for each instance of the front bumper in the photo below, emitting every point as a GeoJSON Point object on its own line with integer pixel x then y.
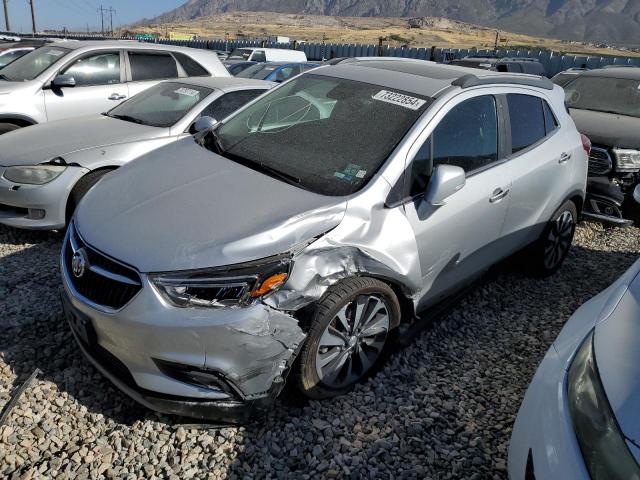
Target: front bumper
{"type": "Point", "coordinates": [249, 351]}
{"type": "Point", "coordinates": [18, 201]}
{"type": "Point", "coordinates": [543, 444]}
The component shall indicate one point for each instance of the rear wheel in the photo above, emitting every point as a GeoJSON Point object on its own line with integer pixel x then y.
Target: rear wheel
{"type": "Point", "coordinates": [8, 127]}
{"type": "Point", "coordinates": [350, 330]}
{"type": "Point", "coordinates": [551, 249]}
{"type": "Point", "coordinates": [80, 190]}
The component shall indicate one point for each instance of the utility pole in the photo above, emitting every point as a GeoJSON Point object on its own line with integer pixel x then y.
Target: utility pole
{"type": "Point", "coordinates": [102, 11]}
{"type": "Point", "coordinates": [6, 15]}
{"type": "Point", "coordinates": [33, 17]}
{"type": "Point", "coordinates": [111, 13]}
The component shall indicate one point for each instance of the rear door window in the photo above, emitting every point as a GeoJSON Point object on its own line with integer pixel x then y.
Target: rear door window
{"type": "Point", "coordinates": [527, 121]}
{"type": "Point", "coordinates": [152, 66]}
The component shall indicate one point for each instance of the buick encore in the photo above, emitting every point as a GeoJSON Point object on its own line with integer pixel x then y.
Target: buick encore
{"type": "Point", "coordinates": [290, 241]}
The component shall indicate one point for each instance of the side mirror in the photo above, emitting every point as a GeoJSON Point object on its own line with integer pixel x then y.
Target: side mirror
{"type": "Point", "coordinates": [64, 81]}
{"type": "Point", "coordinates": [636, 194]}
{"type": "Point", "coordinates": [445, 181]}
{"type": "Point", "coordinates": [204, 123]}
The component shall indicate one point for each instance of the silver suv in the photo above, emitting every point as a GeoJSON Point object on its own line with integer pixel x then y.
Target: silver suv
{"type": "Point", "coordinates": [70, 79]}
{"type": "Point", "coordinates": [300, 233]}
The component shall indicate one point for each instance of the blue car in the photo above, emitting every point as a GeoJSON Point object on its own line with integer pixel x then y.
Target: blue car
{"type": "Point", "coordinates": [276, 71]}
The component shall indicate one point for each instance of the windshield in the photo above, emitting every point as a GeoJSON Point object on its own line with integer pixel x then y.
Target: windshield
{"type": "Point", "coordinates": [326, 135]}
{"type": "Point", "coordinates": [9, 56]}
{"type": "Point", "coordinates": [604, 94]}
{"type": "Point", "coordinates": [243, 53]}
{"type": "Point", "coordinates": [162, 105]}
{"type": "Point", "coordinates": [33, 64]}
{"type": "Point", "coordinates": [259, 72]}
{"type": "Point", "coordinates": [563, 79]}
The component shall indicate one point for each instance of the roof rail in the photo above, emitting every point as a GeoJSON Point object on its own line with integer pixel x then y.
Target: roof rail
{"type": "Point", "coordinates": [468, 81]}
{"type": "Point", "coordinates": [621, 66]}
{"type": "Point", "coordinates": [519, 59]}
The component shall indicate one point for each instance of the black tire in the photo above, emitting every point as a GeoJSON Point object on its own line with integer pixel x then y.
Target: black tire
{"type": "Point", "coordinates": [549, 252]}
{"type": "Point", "coordinates": [345, 294]}
{"type": "Point", "coordinates": [8, 127]}
{"type": "Point", "coordinates": [80, 190]}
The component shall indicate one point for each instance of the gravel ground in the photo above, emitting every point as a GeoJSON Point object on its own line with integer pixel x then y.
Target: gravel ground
{"type": "Point", "coordinates": [442, 408]}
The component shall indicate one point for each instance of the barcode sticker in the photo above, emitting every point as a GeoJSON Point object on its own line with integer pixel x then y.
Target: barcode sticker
{"type": "Point", "coordinates": [399, 99]}
{"type": "Point", "coordinates": [190, 92]}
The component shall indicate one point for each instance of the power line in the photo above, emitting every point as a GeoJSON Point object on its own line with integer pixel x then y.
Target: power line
{"type": "Point", "coordinates": [102, 11]}
{"type": "Point", "coordinates": [33, 16]}
{"type": "Point", "coordinates": [6, 15]}
{"type": "Point", "coordinates": [111, 13]}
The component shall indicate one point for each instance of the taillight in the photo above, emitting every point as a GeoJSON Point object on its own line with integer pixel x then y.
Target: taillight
{"type": "Point", "coordinates": [586, 144]}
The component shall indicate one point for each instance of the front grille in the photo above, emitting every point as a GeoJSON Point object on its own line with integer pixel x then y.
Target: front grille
{"type": "Point", "coordinates": [600, 161]}
{"type": "Point", "coordinates": [103, 282]}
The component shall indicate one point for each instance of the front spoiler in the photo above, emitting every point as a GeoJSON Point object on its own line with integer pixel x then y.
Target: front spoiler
{"type": "Point", "coordinates": [233, 412]}
{"type": "Point", "coordinates": [236, 410]}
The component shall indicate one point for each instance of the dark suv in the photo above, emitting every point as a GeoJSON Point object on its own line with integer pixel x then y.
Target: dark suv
{"type": "Point", "coordinates": [605, 106]}
{"type": "Point", "coordinates": [503, 64]}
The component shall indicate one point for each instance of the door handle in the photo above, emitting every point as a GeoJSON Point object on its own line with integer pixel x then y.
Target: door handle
{"type": "Point", "coordinates": [498, 195]}
{"type": "Point", "coordinates": [117, 96]}
{"type": "Point", "coordinates": [564, 158]}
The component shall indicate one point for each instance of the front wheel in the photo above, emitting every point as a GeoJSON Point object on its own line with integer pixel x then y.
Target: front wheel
{"type": "Point", "coordinates": [80, 190]}
{"type": "Point", "coordinates": [350, 328]}
{"type": "Point", "coordinates": [551, 249]}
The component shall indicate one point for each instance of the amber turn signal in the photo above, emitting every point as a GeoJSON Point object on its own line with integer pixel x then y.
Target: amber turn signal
{"type": "Point", "coordinates": [270, 284]}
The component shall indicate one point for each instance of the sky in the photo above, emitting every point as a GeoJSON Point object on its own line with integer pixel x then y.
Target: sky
{"type": "Point", "coordinates": [76, 14]}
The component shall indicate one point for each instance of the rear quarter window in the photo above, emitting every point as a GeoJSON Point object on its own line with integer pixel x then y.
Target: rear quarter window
{"type": "Point", "coordinates": [190, 66]}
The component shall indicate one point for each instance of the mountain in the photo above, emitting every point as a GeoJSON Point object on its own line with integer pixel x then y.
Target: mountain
{"type": "Point", "coordinates": [599, 21]}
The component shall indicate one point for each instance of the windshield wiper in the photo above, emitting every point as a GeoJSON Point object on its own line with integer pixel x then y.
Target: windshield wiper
{"type": "Point", "coordinates": [127, 118]}
{"type": "Point", "coordinates": [4, 77]}
{"type": "Point", "coordinates": [266, 169]}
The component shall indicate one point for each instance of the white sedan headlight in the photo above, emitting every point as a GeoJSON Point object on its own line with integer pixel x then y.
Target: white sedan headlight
{"type": "Point", "coordinates": [33, 175]}
{"type": "Point", "coordinates": [627, 160]}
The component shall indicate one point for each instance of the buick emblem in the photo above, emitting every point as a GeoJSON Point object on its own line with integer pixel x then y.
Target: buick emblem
{"type": "Point", "coordinates": [79, 263]}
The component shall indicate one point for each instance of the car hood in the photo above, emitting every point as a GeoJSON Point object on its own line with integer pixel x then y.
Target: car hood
{"type": "Point", "coordinates": [183, 207]}
{"type": "Point", "coordinates": [43, 142]}
{"type": "Point", "coordinates": [617, 353]}
{"type": "Point", "coordinates": [10, 87]}
{"type": "Point", "coordinates": [608, 129]}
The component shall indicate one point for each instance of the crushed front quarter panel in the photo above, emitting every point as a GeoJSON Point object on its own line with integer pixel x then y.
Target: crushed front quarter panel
{"type": "Point", "coordinates": [371, 240]}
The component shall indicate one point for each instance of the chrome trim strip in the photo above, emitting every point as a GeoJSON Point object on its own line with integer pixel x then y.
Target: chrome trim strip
{"type": "Point", "coordinates": [113, 276]}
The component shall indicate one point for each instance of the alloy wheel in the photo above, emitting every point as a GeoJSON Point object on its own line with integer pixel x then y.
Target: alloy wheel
{"type": "Point", "coordinates": [558, 240]}
{"type": "Point", "coordinates": [353, 341]}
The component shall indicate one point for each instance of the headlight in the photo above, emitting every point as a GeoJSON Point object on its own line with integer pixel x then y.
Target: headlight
{"type": "Point", "coordinates": [627, 160]}
{"type": "Point", "coordinates": [238, 285]}
{"type": "Point", "coordinates": [603, 445]}
{"type": "Point", "coordinates": [33, 175]}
